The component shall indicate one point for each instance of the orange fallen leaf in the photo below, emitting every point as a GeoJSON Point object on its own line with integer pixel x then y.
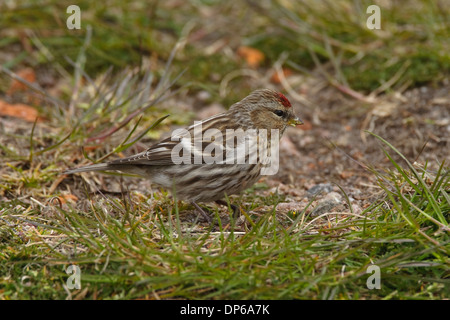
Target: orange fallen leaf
{"type": "Point", "coordinates": [27, 74]}
{"type": "Point", "coordinates": [67, 197]}
{"type": "Point", "coordinates": [276, 78]}
{"type": "Point", "coordinates": [357, 155]}
{"type": "Point", "coordinates": [19, 110]}
{"type": "Point", "coordinates": [252, 56]}
{"type": "Point", "coordinates": [346, 174]}
{"type": "Point", "coordinates": [312, 166]}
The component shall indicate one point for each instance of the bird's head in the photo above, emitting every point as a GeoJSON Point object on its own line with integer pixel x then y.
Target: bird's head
{"type": "Point", "coordinates": [266, 109]}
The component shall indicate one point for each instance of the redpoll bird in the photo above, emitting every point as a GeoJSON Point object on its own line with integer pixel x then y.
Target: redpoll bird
{"type": "Point", "coordinates": [206, 172]}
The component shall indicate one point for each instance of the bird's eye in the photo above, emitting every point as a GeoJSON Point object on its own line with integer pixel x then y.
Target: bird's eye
{"type": "Point", "coordinates": [279, 113]}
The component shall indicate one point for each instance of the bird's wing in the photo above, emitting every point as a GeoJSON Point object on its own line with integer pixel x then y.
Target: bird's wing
{"type": "Point", "coordinates": [157, 155]}
{"type": "Point", "coordinates": [164, 152]}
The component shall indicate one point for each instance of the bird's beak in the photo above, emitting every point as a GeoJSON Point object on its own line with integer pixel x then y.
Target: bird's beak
{"type": "Point", "coordinates": [295, 122]}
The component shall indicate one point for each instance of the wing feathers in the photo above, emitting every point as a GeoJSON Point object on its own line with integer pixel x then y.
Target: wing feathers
{"type": "Point", "coordinates": [160, 154]}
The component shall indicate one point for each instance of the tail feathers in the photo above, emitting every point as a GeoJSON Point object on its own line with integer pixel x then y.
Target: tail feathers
{"type": "Point", "coordinates": [93, 167]}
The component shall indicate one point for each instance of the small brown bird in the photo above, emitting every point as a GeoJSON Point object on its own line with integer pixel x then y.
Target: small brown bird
{"type": "Point", "coordinates": [217, 160]}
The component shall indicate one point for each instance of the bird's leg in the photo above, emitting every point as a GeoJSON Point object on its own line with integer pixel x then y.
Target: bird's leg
{"type": "Point", "coordinates": [203, 213]}
{"type": "Point", "coordinates": [235, 208]}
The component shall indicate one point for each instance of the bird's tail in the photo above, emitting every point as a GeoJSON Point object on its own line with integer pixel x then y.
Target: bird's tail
{"type": "Point", "coordinates": [92, 167]}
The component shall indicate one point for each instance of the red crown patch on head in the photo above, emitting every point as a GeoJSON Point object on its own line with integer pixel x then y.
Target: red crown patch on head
{"type": "Point", "coordinates": [283, 100]}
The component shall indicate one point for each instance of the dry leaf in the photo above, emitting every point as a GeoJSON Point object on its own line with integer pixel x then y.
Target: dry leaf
{"type": "Point", "coordinates": [27, 74]}
{"type": "Point", "coordinates": [346, 174]}
{"type": "Point", "coordinates": [384, 109]}
{"type": "Point", "coordinates": [252, 56]}
{"type": "Point", "coordinates": [19, 110]}
{"type": "Point", "coordinates": [276, 78]}
{"type": "Point", "coordinates": [68, 197]}
{"type": "Point", "coordinates": [312, 166]}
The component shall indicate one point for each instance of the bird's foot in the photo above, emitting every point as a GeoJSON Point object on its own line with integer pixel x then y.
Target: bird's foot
{"type": "Point", "coordinates": [202, 212]}
{"type": "Point", "coordinates": [235, 208]}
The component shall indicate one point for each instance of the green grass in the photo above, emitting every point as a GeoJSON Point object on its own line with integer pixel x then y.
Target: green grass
{"type": "Point", "coordinates": [131, 249]}
{"type": "Point", "coordinates": [413, 35]}
{"type": "Point", "coordinates": [130, 246]}
{"type": "Point", "coordinates": [411, 47]}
